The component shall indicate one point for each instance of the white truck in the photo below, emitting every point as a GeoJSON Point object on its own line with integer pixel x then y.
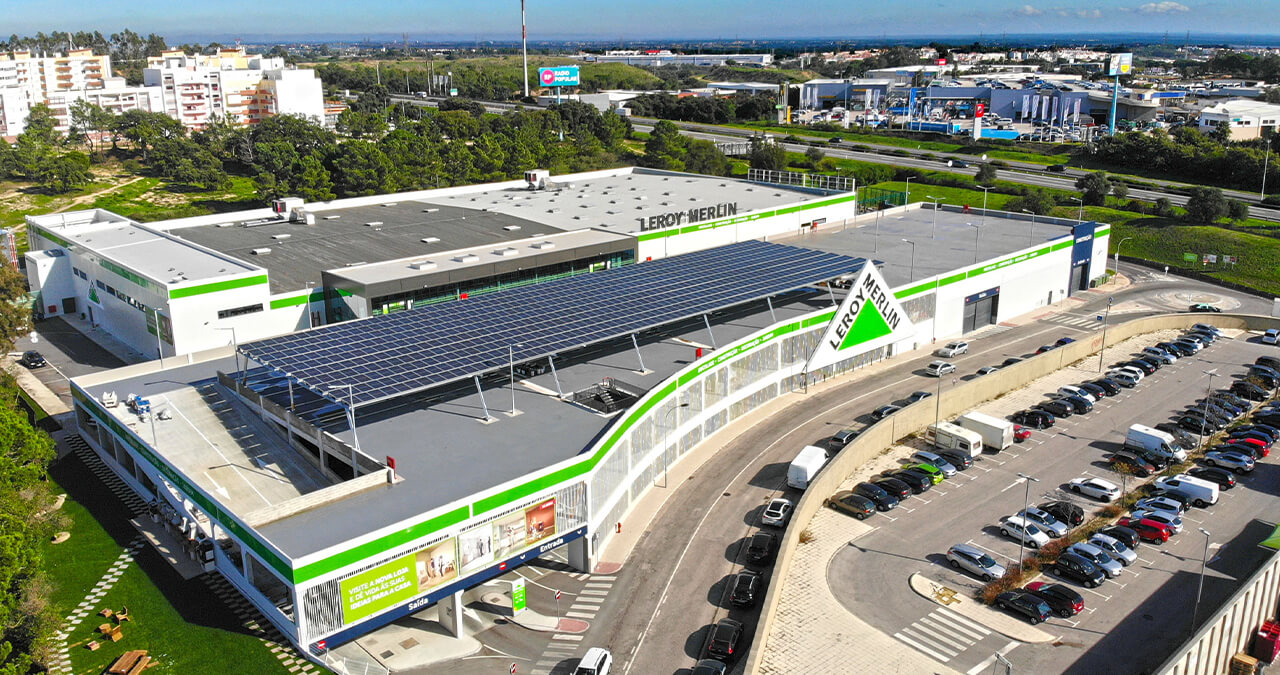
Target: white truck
{"type": "Point", "coordinates": [805, 466]}
{"type": "Point", "coordinates": [947, 436]}
{"type": "Point", "coordinates": [1144, 438]}
{"type": "Point", "coordinates": [996, 433]}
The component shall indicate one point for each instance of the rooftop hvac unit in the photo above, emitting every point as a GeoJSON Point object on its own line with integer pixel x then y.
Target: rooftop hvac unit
{"type": "Point", "coordinates": [506, 252]}
{"type": "Point", "coordinates": [260, 251]}
{"type": "Point", "coordinates": [422, 265]}
{"type": "Point", "coordinates": [537, 178]}
{"type": "Point", "coordinates": [286, 205]}
{"type": "Point", "coordinates": [468, 258]}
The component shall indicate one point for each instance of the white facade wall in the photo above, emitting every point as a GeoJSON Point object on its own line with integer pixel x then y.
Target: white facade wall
{"type": "Point", "coordinates": [296, 92]}
{"type": "Point", "coordinates": [767, 225]}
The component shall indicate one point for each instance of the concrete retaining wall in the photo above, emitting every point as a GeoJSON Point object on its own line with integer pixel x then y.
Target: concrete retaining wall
{"type": "Point", "coordinates": [953, 401]}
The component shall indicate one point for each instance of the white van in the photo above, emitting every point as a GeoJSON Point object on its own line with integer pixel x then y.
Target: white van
{"type": "Point", "coordinates": [948, 436]}
{"type": "Point", "coordinates": [596, 661]}
{"type": "Point", "coordinates": [805, 466]}
{"type": "Point", "coordinates": [1161, 443]}
{"type": "Point", "coordinates": [1202, 493]}
{"type": "Point", "coordinates": [1021, 529]}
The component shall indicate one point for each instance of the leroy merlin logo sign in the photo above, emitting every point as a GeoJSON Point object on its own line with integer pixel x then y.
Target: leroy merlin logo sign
{"type": "Point", "coordinates": [869, 318]}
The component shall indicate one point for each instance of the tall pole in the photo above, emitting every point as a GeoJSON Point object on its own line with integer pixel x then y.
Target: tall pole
{"type": "Point", "coordinates": [310, 321]}
{"type": "Point", "coordinates": [511, 352]}
{"type": "Point", "coordinates": [524, 49]}
{"type": "Point", "coordinates": [985, 192]}
{"type": "Point", "coordinates": [1115, 96]}
{"type": "Point", "coordinates": [666, 441]}
{"type": "Point", "coordinates": [1204, 409]}
{"type": "Point", "coordinates": [1204, 561]}
{"type": "Point", "coordinates": [1031, 233]}
{"type": "Point", "coordinates": [936, 201]}
{"type": "Point", "coordinates": [1026, 501]}
{"type": "Point", "coordinates": [977, 232]}
{"type": "Point", "coordinates": [1265, 161]}
{"type": "Point", "coordinates": [907, 198]}
{"type": "Point", "coordinates": [159, 349]}
{"type": "Point", "coordinates": [913, 259]}
{"type": "Point", "coordinates": [1080, 213]}
{"type": "Point", "coordinates": [1122, 241]}
{"type": "Point", "coordinates": [1102, 351]}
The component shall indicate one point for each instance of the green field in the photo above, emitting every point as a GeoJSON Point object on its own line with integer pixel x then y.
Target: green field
{"type": "Point", "coordinates": [1165, 241]}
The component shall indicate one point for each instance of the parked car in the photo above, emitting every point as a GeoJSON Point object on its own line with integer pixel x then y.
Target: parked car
{"type": "Point", "coordinates": [1177, 350]}
{"type": "Point", "coordinates": [760, 547]}
{"type": "Point", "coordinates": [842, 438]}
{"type": "Point", "coordinates": [893, 486]}
{"type": "Point", "coordinates": [878, 496]}
{"type": "Point", "coordinates": [952, 349]}
{"type": "Point", "coordinates": [1065, 602]}
{"type": "Point", "coordinates": [1272, 362]}
{"type": "Point", "coordinates": [1147, 530]}
{"type": "Point", "coordinates": [1249, 390]}
{"type": "Point", "coordinates": [1020, 433]}
{"type": "Point", "coordinates": [918, 396]}
{"type": "Point", "coordinates": [1064, 511]}
{"type": "Point", "coordinates": [1045, 520]}
{"type": "Point", "coordinates": [1025, 603]}
{"type": "Point", "coordinates": [1146, 367]}
{"type": "Point", "coordinates": [1072, 566]}
{"type": "Point", "coordinates": [1169, 520]}
{"type": "Point", "coordinates": [1063, 341]}
{"type": "Point", "coordinates": [919, 482]}
{"type": "Point", "coordinates": [939, 368]}
{"type": "Point", "coordinates": [1095, 487]}
{"type": "Point", "coordinates": [1094, 390]}
{"type": "Point", "coordinates": [1057, 408]}
{"type": "Point", "coordinates": [1010, 361]}
{"type": "Point", "coordinates": [1036, 419]}
{"type": "Point", "coordinates": [1107, 384]}
{"type": "Point", "coordinates": [1111, 567]}
{"type": "Point", "coordinates": [777, 513]}
{"type": "Point", "coordinates": [1079, 405]}
{"type": "Point", "coordinates": [1229, 459]}
{"type": "Point", "coordinates": [987, 370]}
{"type": "Point", "coordinates": [847, 501]}
{"type": "Point", "coordinates": [1160, 504]}
{"type": "Point", "coordinates": [1071, 390]}
{"type": "Point", "coordinates": [1125, 535]}
{"type": "Point", "coordinates": [1125, 378]}
{"type": "Point", "coordinates": [745, 586]}
{"type": "Point", "coordinates": [1225, 479]}
{"type": "Point", "coordinates": [1141, 466]}
{"type": "Point", "coordinates": [933, 459]}
{"type": "Point", "coordinates": [1158, 353]}
{"type": "Point", "coordinates": [1025, 531]}
{"type": "Point", "coordinates": [1046, 348]}
{"type": "Point", "coordinates": [1273, 432]}
{"type": "Point", "coordinates": [708, 667]}
{"type": "Point", "coordinates": [724, 639]}
{"type": "Point", "coordinates": [1256, 437]}
{"type": "Point", "coordinates": [31, 359]}
{"type": "Point", "coordinates": [1183, 439]}
{"type": "Point", "coordinates": [1272, 336]}
{"type": "Point", "coordinates": [1114, 548]}
{"type": "Point", "coordinates": [884, 411]}
{"type": "Point", "coordinates": [974, 561]}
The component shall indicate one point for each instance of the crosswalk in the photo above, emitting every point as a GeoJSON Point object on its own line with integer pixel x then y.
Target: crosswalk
{"type": "Point", "coordinates": [943, 634]}
{"type": "Point", "coordinates": [1090, 322]}
{"type": "Point", "coordinates": [586, 604]}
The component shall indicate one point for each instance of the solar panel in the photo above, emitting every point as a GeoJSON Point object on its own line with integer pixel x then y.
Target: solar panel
{"type": "Point", "coordinates": [397, 354]}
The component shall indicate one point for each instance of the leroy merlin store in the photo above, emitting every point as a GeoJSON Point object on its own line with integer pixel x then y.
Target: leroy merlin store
{"type": "Point", "coordinates": [402, 461]}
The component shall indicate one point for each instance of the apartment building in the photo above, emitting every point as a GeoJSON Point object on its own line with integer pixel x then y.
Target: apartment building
{"type": "Point", "coordinates": [244, 87]}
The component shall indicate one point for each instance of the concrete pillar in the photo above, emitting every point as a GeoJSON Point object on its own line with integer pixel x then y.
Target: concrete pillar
{"type": "Point", "coordinates": [246, 563]}
{"type": "Point", "coordinates": [580, 555]}
{"type": "Point", "coordinates": [450, 614]}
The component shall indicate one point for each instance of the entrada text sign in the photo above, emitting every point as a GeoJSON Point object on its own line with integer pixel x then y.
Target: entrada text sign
{"type": "Point", "coordinates": [694, 215]}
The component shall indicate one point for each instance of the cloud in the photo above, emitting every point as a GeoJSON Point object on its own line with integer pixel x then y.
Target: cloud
{"type": "Point", "coordinates": [1028, 10]}
{"type": "Point", "coordinates": [1166, 7]}
{"type": "Point", "coordinates": [1089, 13]}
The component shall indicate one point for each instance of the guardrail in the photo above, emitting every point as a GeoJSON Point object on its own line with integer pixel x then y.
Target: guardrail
{"type": "Point", "coordinates": [954, 401]}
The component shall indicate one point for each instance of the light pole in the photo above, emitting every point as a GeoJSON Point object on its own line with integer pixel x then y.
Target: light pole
{"type": "Point", "coordinates": [936, 201]}
{"type": "Point", "coordinates": [1204, 409]}
{"type": "Point", "coordinates": [1266, 160]}
{"type": "Point", "coordinates": [1080, 213]}
{"type": "Point", "coordinates": [977, 231]}
{"type": "Point", "coordinates": [511, 352]}
{"type": "Point", "coordinates": [1204, 561]}
{"type": "Point", "coordinates": [937, 404]}
{"type": "Point", "coordinates": [155, 311]}
{"type": "Point", "coordinates": [1031, 239]}
{"type": "Point", "coordinates": [1102, 351]}
{"type": "Point", "coordinates": [985, 191]}
{"type": "Point", "coordinates": [1122, 241]}
{"type": "Point", "coordinates": [907, 198]}
{"type": "Point", "coordinates": [524, 50]}
{"type": "Point", "coordinates": [235, 344]}
{"type": "Point", "coordinates": [310, 322]}
{"type": "Point", "coordinates": [913, 259]}
{"type": "Point", "coordinates": [1026, 500]}
{"type": "Point", "coordinates": [666, 442]}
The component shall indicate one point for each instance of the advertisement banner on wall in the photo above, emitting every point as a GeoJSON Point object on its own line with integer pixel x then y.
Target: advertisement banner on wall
{"type": "Point", "coordinates": [475, 548]}
{"type": "Point", "coordinates": [540, 521]}
{"type": "Point", "coordinates": [869, 318]}
{"type": "Point", "coordinates": [437, 564]}
{"type": "Point", "coordinates": [376, 589]}
{"type": "Point", "coordinates": [558, 76]}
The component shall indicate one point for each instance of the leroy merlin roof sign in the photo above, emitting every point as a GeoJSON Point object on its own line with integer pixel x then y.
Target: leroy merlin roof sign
{"type": "Point", "coordinates": [869, 318]}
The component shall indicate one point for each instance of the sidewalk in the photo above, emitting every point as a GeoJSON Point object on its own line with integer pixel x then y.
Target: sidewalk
{"type": "Point", "coordinates": [107, 341]}
{"type": "Point", "coordinates": [46, 399]}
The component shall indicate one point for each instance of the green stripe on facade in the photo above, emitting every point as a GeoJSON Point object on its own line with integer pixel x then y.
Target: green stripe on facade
{"type": "Point", "coordinates": [1102, 232]}
{"type": "Point", "coordinates": [698, 227]}
{"type": "Point", "coordinates": [53, 237]}
{"type": "Point", "coordinates": [217, 286]}
{"type": "Point", "coordinates": [927, 286]}
{"type": "Point", "coordinates": [302, 299]}
{"type": "Point", "coordinates": [1063, 244]}
{"type": "Point", "coordinates": [380, 545]}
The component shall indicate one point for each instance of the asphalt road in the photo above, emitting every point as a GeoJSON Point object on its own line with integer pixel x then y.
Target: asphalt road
{"type": "Point", "coordinates": [870, 576]}
{"type": "Point", "coordinates": [69, 353]}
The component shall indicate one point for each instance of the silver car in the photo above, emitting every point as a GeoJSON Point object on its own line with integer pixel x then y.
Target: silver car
{"type": "Point", "coordinates": [1099, 557]}
{"type": "Point", "coordinates": [777, 512]}
{"type": "Point", "coordinates": [1160, 504]}
{"type": "Point", "coordinates": [1170, 519]}
{"type": "Point", "coordinates": [1158, 353]}
{"type": "Point", "coordinates": [1052, 526]}
{"type": "Point", "coordinates": [1114, 548]}
{"type": "Point", "coordinates": [975, 562]}
{"type": "Point", "coordinates": [936, 461]}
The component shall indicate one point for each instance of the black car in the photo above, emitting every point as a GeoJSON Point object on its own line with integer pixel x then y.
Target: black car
{"type": "Point", "coordinates": [1250, 391]}
{"type": "Point", "coordinates": [710, 666]}
{"type": "Point", "coordinates": [1057, 408]}
{"type": "Point", "coordinates": [1079, 404]}
{"type": "Point", "coordinates": [1056, 168]}
{"type": "Point", "coordinates": [882, 500]}
{"type": "Point", "coordinates": [1266, 382]}
{"type": "Point", "coordinates": [1206, 336]}
{"type": "Point", "coordinates": [1215, 421]}
{"type": "Point", "coordinates": [1270, 432]}
{"type": "Point", "coordinates": [724, 639]}
{"type": "Point", "coordinates": [917, 480]}
{"type": "Point", "coordinates": [1224, 478]}
{"type": "Point", "coordinates": [745, 586]}
{"type": "Point", "coordinates": [1033, 419]}
{"type": "Point", "coordinates": [1254, 435]}
{"type": "Point", "coordinates": [918, 396]}
{"type": "Point", "coordinates": [853, 504]}
{"type": "Point", "coordinates": [1160, 462]}
{"type": "Point", "coordinates": [893, 486]}
{"type": "Point", "coordinates": [959, 460]}
{"type": "Point", "coordinates": [1271, 362]}
{"type": "Point", "coordinates": [1144, 366]}
{"type": "Point", "coordinates": [1063, 341]}
{"type": "Point", "coordinates": [1096, 390]}
{"type": "Point", "coordinates": [1246, 449]}
{"type": "Point", "coordinates": [1010, 361]}
{"type": "Point", "coordinates": [1151, 490]}
{"type": "Point", "coordinates": [1111, 386]}
{"type": "Point", "coordinates": [1184, 439]}
{"type": "Point", "coordinates": [1203, 307]}
{"type": "Point", "coordinates": [1141, 467]}
{"type": "Point", "coordinates": [1231, 398]}
{"type": "Point", "coordinates": [884, 411]}
{"type": "Point", "coordinates": [1073, 566]}
{"type": "Point", "coordinates": [1064, 511]}
{"type": "Point", "coordinates": [1065, 602]}
{"type": "Point", "coordinates": [1150, 361]}
{"type": "Point", "coordinates": [1219, 408]}
{"type": "Point", "coordinates": [760, 547]}
{"type": "Point", "coordinates": [1176, 349]}
{"type": "Point", "coordinates": [1123, 535]}
{"type": "Point", "coordinates": [1269, 419]}
{"type": "Point", "coordinates": [1197, 424]}
{"type": "Point", "coordinates": [1024, 603]}
{"type": "Point", "coordinates": [1046, 348]}
{"type": "Point", "coordinates": [842, 438]}
{"type": "Point", "coordinates": [32, 359]}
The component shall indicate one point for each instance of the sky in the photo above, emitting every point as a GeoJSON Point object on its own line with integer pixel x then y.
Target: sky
{"type": "Point", "coordinates": [641, 19]}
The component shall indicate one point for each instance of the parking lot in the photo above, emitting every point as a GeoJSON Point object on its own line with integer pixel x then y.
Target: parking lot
{"type": "Point", "coordinates": [1144, 612]}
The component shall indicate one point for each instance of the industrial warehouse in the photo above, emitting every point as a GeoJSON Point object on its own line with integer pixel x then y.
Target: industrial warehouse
{"type": "Point", "coordinates": [468, 409]}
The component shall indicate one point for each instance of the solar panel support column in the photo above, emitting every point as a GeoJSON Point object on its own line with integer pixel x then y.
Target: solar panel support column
{"type": "Point", "coordinates": [554, 375]}
{"type": "Point", "coordinates": [832, 294]}
{"type": "Point", "coordinates": [484, 405]}
{"type": "Point", "coordinates": [772, 317]}
{"type": "Point", "coordinates": [709, 332]}
{"type": "Point", "coordinates": [636, 344]}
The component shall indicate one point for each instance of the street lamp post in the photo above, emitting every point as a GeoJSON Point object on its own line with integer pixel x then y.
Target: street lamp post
{"type": "Point", "coordinates": [906, 199]}
{"type": "Point", "coordinates": [155, 311]}
{"type": "Point", "coordinates": [1204, 561]}
{"type": "Point", "coordinates": [310, 321]}
{"type": "Point", "coordinates": [1204, 409]}
{"type": "Point", "coordinates": [913, 259]}
{"type": "Point", "coordinates": [1026, 501]}
{"type": "Point", "coordinates": [936, 201]}
{"type": "Point", "coordinates": [666, 443]}
{"type": "Point", "coordinates": [235, 344]}
{"type": "Point", "coordinates": [1122, 241]}
{"type": "Point", "coordinates": [937, 404]}
{"type": "Point", "coordinates": [1265, 161]}
{"type": "Point", "coordinates": [985, 192]}
{"type": "Point", "coordinates": [977, 231]}
{"type": "Point", "coordinates": [511, 353]}
{"type": "Point", "coordinates": [1105, 318]}
{"type": "Point", "coordinates": [1031, 238]}
{"type": "Point", "coordinates": [1080, 213]}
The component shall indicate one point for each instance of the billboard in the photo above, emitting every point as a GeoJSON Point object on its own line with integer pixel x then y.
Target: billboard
{"type": "Point", "coordinates": [378, 588]}
{"type": "Point", "coordinates": [870, 317]}
{"type": "Point", "coordinates": [512, 532]}
{"type": "Point", "coordinates": [1120, 64]}
{"type": "Point", "coordinates": [558, 76]}
{"type": "Point", "coordinates": [437, 564]}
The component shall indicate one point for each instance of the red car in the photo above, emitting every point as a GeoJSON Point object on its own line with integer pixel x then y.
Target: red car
{"type": "Point", "coordinates": [1020, 433]}
{"type": "Point", "coordinates": [1262, 447]}
{"type": "Point", "coordinates": [1148, 530]}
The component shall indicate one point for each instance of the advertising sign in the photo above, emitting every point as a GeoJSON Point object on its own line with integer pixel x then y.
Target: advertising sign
{"type": "Point", "coordinates": [870, 317]}
{"type": "Point", "coordinates": [437, 564]}
{"type": "Point", "coordinates": [1120, 64]}
{"type": "Point", "coordinates": [518, 601]}
{"type": "Point", "coordinates": [558, 76]}
{"type": "Point", "coordinates": [376, 589]}
{"type": "Point", "coordinates": [475, 548]}
{"type": "Point", "coordinates": [1189, 257]}
{"type": "Point", "coordinates": [540, 521]}
{"type": "Point", "coordinates": [978, 110]}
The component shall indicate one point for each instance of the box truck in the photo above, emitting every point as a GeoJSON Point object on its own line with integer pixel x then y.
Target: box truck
{"type": "Point", "coordinates": [947, 436]}
{"type": "Point", "coordinates": [996, 433]}
{"type": "Point", "coordinates": [1142, 437]}
{"type": "Point", "coordinates": [805, 466]}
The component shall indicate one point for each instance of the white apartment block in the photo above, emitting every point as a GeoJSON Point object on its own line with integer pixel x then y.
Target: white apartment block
{"type": "Point", "coordinates": [244, 87]}
{"type": "Point", "coordinates": [27, 79]}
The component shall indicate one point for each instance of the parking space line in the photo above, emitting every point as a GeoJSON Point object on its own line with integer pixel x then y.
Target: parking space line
{"type": "Point", "coordinates": [927, 501]}
{"type": "Point", "coordinates": [974, 543]}
{"type": "Point", "coordinates": [891, 518]}
{"type": "Point", "coordinates": [1090, 590]}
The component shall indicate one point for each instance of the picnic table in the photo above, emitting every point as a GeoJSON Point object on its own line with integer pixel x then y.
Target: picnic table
{"type": "Point", "coordinates": [130, 663]}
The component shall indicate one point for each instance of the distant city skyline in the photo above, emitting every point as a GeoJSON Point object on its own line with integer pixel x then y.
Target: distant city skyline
{"type": "Point", "coordinates": [645, 20]}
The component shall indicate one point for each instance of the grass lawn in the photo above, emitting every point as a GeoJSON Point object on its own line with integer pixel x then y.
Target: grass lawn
{"type": "Point", "coordinates": [183, 627]}
{"type": "Point", "coordinates": [151, 199]}
{"type": "Point", "coordinates": [1166, 240]}
{"type": "Point", "coordinates": [854, 137]}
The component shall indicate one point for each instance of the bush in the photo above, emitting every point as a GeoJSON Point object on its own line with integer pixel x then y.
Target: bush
{"type": "Point", "coordinates": [806, 536]}
{"type": "Point", "coordinates": [1008, 582]}
{"type": "Point", "coordinates": [1050, 551]}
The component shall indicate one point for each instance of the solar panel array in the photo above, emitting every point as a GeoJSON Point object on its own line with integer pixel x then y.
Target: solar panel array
{"type": "Point", "coordinates": [397, 354]}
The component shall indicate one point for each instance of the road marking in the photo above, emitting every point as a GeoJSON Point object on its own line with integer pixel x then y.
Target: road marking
{"type": "Point", "coordinates": [915, 645]}
{"type": "Point", "coordinates": [974, 543]}
{"type": "Point", "coordinates": [1090, 590]}
{"type": "Point", "coordinates": [599, 584]}
{"type": "Point", "coordinates": [571, 638]}
{"type": "Point", "coordinates": [936, 491]}
{"type": "Point", "coordinates": [927, 501]}
{"type": "Point", "coordinates": [953, 616]}
{"type": "Point", "coordinates": [962, 632]}
{"type": "Point", "coordinates": [581, 615]}
{"type": "Point", "coordinates": [1014, 484]}
{"type": "Point", "coordinates": [945, 638]}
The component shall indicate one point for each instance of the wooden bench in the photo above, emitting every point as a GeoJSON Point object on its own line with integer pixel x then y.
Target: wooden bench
{"type": "Point", "coordinates": [128, 662]}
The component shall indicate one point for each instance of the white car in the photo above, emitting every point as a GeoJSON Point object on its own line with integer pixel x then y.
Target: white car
{"type": "Point", "coordinates": [1071, 390]}
{"type": "Point", "coordinates": [1096, 488]}
{"type": "Point", "coordinates": [1158, 353]}
{"type": "Point", "coordinates": [1271, 337]}
{"type": "Point", "coordinates": [1174, 522]}
{"type": "Point", "coordinates": [939, 368]}
{"type": "Point", "coordinates": [777, 512]}
{"type": "Point", "coordinates": [1160, 504]}
{"type": "Point", "coordinates": [953, 349]}
{"type": "Point", "coordinates": [1133, 372]}
{"type": "Point", "coordinates": [1114, 548]}
{"type": "Point", "coordinates": [1023, 530]}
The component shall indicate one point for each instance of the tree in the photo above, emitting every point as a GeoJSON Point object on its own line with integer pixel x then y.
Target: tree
{"type": "Point", "coordinates": [986, 174]}
{"type": "Point", "coordinates": [1034, 200]}
{"type": "Point", "coordinates": [1164, 207]}
{"type": "Point", "coordinates": [813, 155]}
{"type": "Point", "coordinates": [1119, 189]}
{"type": "Point", "coordinates": [1206, 205]}
{"type": "Point", "coordinates": [767, 154]}
{"type": "Point", "coordinates": [1094, 187]}
{"type": "Point", "coordinates": [665, 148]}
{"type": "Point", "coordinates": [1221, 133]}
{"type": "Point", "coordinates": [313, 182]}
{"type": "Point", "coordinates": [1237, 210]}
{"type": "Point", "coordinates": [355, 124]}
{"type": "Point", "coordinates": [360, 169]}
{"type": "Point", "coordinates": [705, 158]}
{"type": "Point", "coordinates": [64, 172]}
{"type": "Point", "coordinates": [144, 128]}
{"type": "Point", "coordinates": [88, 122]}
{"type": "Point", "coordinates": [15, 316]}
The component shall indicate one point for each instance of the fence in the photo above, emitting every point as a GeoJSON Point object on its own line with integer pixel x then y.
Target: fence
{"type": "Point", "coordinates": [804, 180]}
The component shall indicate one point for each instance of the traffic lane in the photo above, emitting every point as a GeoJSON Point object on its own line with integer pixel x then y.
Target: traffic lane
{"type": "Point", "coordinates": [67, 349]}
{"type": "Point", "coordinates": [997, 491]}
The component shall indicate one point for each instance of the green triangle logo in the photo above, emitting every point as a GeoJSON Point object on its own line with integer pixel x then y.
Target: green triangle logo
{"type": "Point", "coordinates": [868, 326]}
{"type": "Point", "coordinates": [93, 295]}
